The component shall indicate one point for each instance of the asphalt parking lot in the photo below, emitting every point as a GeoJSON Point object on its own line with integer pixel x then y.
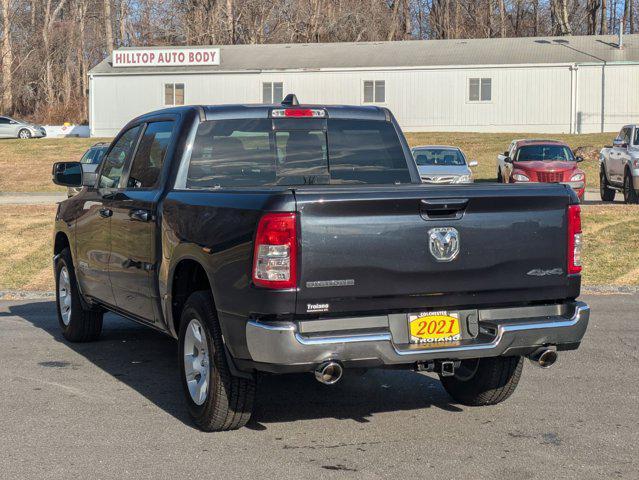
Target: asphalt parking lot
{"type": "Point", "coordinates": [113, 409]}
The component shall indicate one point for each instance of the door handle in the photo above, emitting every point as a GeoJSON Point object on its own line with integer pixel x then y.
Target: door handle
{"type": "Point", "coordinates": [106, 212]}
{"type": "Point", "coordinates": [443, 204]}
{"type": "Point", "coordinates": [140, 215]}
{"type": "Point", "coordinates": [452, 208]}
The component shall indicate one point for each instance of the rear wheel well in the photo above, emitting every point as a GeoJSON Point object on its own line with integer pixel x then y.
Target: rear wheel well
{"type": "Point", "coordinates": [189, 276]}
{"type": "Point", "coordinates": [61, 242]}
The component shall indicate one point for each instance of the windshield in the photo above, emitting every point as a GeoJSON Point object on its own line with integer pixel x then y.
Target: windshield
{"type": "Point", "coordinates": [439, 156]}
{"type": "Point", "coordinates": [93, 155]}
{"type": "Point", "coordinates": [265, 152]}
{"type": "Point", "coordinates": [530, 153]}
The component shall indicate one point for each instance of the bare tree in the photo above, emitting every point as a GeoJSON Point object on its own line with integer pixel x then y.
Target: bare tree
{"type": "Point", "coordinates": [559, 10]}
{"type": "Point", "coordinates": [108, 25]}
{"type": "Point", "coordinates": [6, 55]}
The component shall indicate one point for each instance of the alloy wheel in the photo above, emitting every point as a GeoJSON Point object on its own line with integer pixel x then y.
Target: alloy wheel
{"type": "Point", "coordinates": [196, 362]}
{"type": "Point", "coordinates": [64, 295]}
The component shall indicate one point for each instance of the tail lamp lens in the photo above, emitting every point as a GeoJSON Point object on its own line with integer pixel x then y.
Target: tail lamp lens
{"type": "Point", "coordinates": [275, 254]}
{"type": "Point", "coordinates": [298, 112]}
{"type": "Point", "coordinates": [574, 239]}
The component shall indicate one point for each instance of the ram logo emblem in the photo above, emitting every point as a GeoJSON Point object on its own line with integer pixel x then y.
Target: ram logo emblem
{"type": "Point", "coordinates": [443, 243]}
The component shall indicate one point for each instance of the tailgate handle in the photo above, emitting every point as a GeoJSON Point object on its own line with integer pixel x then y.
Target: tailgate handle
{"type": "Point", "coordinates": [443, 207]}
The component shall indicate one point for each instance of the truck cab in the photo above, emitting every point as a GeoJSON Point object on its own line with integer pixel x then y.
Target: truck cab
{"type": "Point", "coordinates": [619, 166]}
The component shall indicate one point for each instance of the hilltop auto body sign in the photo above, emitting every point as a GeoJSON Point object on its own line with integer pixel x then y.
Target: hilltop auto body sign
{"type": "Point", "coordinates": [165, 57]}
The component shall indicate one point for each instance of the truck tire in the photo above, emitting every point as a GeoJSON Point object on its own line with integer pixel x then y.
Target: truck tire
{"type": "Point", "coordinates": [629, 192]}
{"type": "Point", "coordinates": [77, 323]}
{"type": "Point", "coordinates": [217, 400]}
{"type": "Point", "coordinates": [607, 194]}
{"type": "Point", "coordinates": [484, 381]}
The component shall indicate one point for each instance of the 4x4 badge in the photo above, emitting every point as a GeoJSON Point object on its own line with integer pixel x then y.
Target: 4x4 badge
{"type": "Point", "coordinates": [443, 243]}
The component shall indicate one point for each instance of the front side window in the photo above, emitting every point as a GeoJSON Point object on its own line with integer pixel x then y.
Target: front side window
{"type": "Point", "coordinates": [479, 89]}
{"type": "Point", "coordinates": [625, 134]}
{"type": "Point", "coordinates": [272, 92]}
{"type": "Point", "coordinates": [149, 158]}
{"type": "Point", "coordinates": [439, 156]}
{"type": "Point", "coordinates": [251, 152]}
{"type": "Point", "coordinates": [4, 121]}
{"type": "Point", "coordinates": [374, 91]}
{"type": "Point", "coordinates": [117, 157]}
{"type": "Point", "coordinates": [530, 153]}
{"type": "Point", "coordinates": [173, 94]}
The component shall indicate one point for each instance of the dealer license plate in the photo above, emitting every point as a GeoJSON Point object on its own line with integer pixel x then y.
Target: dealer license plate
{"type": "Point", "coordinates": [434, 327]}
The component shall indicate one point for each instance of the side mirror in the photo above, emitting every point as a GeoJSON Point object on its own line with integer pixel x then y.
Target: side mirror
{"type": "Point", "coordinates": [580, 158]}
{"type": "Point", "coordinates": [473, 163]}
{"type": "Point", "coordinates": [618, 142]}
{"type": "Point", "coordinates": [508, 159]}
{"type": "Point", "coordinates": [13, 122]}
{"type": "Point", "coordinates": [67, 174]}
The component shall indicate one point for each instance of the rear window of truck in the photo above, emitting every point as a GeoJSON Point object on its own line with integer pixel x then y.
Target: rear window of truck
{"type": "Point", "coordinates": [263, 152]}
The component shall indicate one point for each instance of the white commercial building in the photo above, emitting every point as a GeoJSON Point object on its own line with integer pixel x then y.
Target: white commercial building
{"type": "Point", "coordinates": [543, 85]}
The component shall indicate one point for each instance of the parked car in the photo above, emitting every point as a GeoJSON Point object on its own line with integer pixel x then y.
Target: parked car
{"type": "Point", "coordinates": [619, 166]}
{"type": "Point", "coordinates": [90, 162]}
{"type": "Point", "coordinates": [548, 161]}
{"type": "Point", "coordinates": [13, 128]}
{"type": "Point", "coordinates": [442, 164]}
{"type": "Point", "coordinates": [228, 228]}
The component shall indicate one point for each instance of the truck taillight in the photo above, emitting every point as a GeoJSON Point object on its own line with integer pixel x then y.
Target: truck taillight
{"type": "Point", "coordinates": [275, 254]}
{"type": "Point", "coordinates": [574, 239]}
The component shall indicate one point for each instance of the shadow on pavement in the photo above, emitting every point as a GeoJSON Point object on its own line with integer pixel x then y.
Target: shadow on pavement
{"type": "Point", "coordinates": [146, 361]}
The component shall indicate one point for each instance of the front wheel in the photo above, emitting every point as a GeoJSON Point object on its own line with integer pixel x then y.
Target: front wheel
{"type": "Point", "coordinates": [24, 133]}
{"type": "Point", "coordinates": [77, 323]}
{"type": "Point", "coordinates": [484, 381]}
{"type": "Point", "coordinates": [217, 400]}
{"type": "Point", "coordinates": [607, 194]}
{"type": "Point", "coordinates": [629, 192]}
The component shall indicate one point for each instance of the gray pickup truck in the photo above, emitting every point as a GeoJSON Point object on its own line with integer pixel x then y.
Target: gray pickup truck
{"type": "Point", "coordinates": [619, 166]}
{"type": "Point", "coordinates": [289, 238]}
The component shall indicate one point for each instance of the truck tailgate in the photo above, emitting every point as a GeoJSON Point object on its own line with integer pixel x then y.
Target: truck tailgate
{"type": "Point", "coordinates": [367, 248]}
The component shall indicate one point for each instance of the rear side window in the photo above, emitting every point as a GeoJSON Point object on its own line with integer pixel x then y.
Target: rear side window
{"type": "Point", "coordinates": [250, 152]}
{"type": "Point", "coordinates": [149, 158]}
{"type": "Point", "coordinates": [365, 151]}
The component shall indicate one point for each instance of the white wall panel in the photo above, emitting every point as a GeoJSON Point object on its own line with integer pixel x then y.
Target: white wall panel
{"type": "Point", "coordinates": [524, 99]}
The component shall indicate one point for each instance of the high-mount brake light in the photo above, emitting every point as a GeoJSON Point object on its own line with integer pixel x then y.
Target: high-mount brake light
{"type": "Point", "coordinates": [574, 239]}
{"type": "Point", "coordinates": [298, 112]}
{"type": "Point", "coordinates": [275, 254]}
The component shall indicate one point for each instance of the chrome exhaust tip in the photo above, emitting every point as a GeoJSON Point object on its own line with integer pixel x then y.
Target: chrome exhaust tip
{"type": "Point", "coordinates": [329, 372]}
{"type": "Point", "coordinates": [544, 358]}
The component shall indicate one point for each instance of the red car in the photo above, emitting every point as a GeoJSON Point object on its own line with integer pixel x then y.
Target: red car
{"type": "Point", "coordinates": [548, 161]}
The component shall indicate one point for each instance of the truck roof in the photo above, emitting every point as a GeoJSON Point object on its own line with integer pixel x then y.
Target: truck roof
{"type": "Point", "coordinates": [212, 112]}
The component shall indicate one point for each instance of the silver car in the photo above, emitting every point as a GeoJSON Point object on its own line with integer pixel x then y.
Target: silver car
{"type": "Point", "coordinates": [443, 164]}
{"type": "Point", "coordinates": [13, 128]}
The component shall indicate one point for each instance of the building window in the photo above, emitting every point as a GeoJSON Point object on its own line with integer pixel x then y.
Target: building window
{"type": "Point", "coordinates": [272, 92]}
{"type": "Point", "coordinates": [479, 89]}
{"type": "Point", "coordinates": [374, 91]}
{"type": "Point", "coordinates": [173, 94]}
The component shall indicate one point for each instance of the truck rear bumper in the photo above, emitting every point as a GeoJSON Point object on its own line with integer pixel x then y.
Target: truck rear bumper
{"type": "Point", "coordinates": [285, 346]}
